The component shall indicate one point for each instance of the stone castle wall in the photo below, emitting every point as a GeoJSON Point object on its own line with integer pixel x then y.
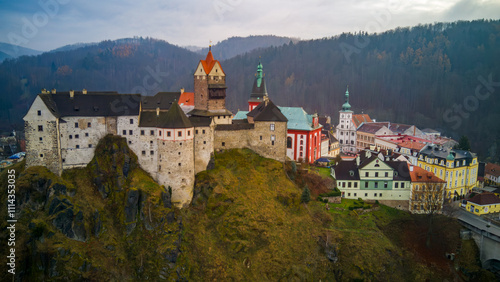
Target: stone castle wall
{"type": "Point", "coordinates": [203, 146]}
{"type": "Point", "coordinates": [176, 168]}
{"type": "Point", "coordinates": [200, 92]}
{"type": "Point", "coordinates": [146, 149]}
{"type": "Point", "coordinates": [42, 146]}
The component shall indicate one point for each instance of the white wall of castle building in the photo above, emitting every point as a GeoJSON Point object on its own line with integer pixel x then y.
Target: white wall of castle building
{"type": "Point", "coordinates": [79, 137]}
{"type": "Point", "coordinates": [146, 149]}
{"type": "Point", "coordinates": [41, 133]}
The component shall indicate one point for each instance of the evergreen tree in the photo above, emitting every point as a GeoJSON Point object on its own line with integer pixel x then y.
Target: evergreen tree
{"type": "Point", "coordinates": [463, 143]}
{"type": "Point", "coordinates": [306, 195]}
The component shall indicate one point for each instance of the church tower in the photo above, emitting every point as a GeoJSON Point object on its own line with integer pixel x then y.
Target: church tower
{"type": "Point", "coordinates": [346, 130]}
{"type": "Point", "coordinates": [259, 90]}
{"type": "Point", "coordinates": [210, 90]}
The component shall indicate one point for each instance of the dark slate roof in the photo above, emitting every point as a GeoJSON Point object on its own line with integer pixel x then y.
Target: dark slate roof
{"type": "Point", "coordinates": [258, 93]}
{"type": "Point", "coordinates": [205, 113]}
{"type": "Point", "coordinates": [485, 199]}
{"type": "Point", "coordinates": [200, 121]}
{"type": "Point", "coordinates": [149, 119]}
{"type": "Point", "coordinates": [346, 170]}
{"type": "Point", "coordinates": [267, 111]}
{"type": "Point", "coordinates": [440, 152]}
{"type": "Point", "coordinates": [370, 127]}
{"type": "Point", "coordinates": [174, 118]}
{"type": "Point", "coordinates": [237, 126]}
{"type": "Point", "coordinates": [92, 104]}
{"type": "Point", "coordinates": [163, 100]}
{"type": "Point", "coordinates": [401, 167]}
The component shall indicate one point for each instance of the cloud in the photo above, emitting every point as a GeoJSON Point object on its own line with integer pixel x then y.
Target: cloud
{"type": "Point", "coordinates": [195, 22]}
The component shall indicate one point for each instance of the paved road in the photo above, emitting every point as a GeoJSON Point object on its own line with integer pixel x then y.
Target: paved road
{"type": "Point", "coordinates": [478, 222]}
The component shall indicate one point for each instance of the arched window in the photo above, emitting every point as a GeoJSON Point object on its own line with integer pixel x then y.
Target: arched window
{"type": "Point", "coordinates": [289, 142]}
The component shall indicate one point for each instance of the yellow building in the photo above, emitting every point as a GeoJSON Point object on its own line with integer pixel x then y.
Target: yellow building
{"type": "Point", "coordinates": [483, 203]}
{"type": "Point", "coordinates": [457, 167]}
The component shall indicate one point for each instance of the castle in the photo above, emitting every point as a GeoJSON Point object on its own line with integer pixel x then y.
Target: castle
{"type": "Point", "coordinates": [63, 128]}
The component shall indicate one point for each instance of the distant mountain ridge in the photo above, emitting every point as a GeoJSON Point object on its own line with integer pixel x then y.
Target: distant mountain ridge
{"type": "Point", "coordinates": [8, 51]}
{"type": "Point", "coordinates": [235, 46]}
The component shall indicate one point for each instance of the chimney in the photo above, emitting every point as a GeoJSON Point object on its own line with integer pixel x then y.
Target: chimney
{"type": "Point", "coordinates": [84, 91]}
{"type": "Point", "coordinates": [411, 168]}
{"type": "Point", "coordinates": [157, 111]}
{"type": "Point", "coordinates": [53, 91]}
{"type": "Point", "coordinates": [357, 160]}
{"type": "Point", "coordinates": [71, 94]}
{"type": "Point", "coordinates": [44, 91]}
{"type": "Point", "coordinates": [182, 90]}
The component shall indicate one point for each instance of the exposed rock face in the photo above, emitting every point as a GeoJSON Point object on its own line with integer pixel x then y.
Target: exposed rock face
{"type": "Point", "coordinates": [131, 209]}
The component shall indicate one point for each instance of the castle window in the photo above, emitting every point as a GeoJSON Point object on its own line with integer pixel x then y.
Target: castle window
{"type": "Point", "coordinates": [204, 142]}
{"type": "Point", "coordinates": [41, 139]}
{"type": "Point", "coordinates": [86, 135]}
{"type": "Point", "coordinates": [349, 184]}
{"type": "Point", "coordinates": [367, 174]}
{"type": "Point", "coordinates": [385, 184]}
{"type": "Point", "coordinates": [340, 141]}
{"type": "Point", "coordinates": [366, 194]}
{"type": "Point", "coordinates": [179, 134]}
{"type": "Point", "coordinates": [355, 186]}
{"type": "Point", "coordinates": [366, 184]}
{"type": "Point", "coordinates": [41, 155]}
{"type": "Point", "coordinates": [77, 136]}
{"type": "Point", "coordinates": [179, 164]}
{"type": "Point", "coordinates": [402, 185]}
{"type": "Point", "coordinates": [130, 132]}
{"type": "Point", "coordinates": [71, 137]}
{"type": "Point", "coordinates": [261, 137]}
{"type": "Point", "coordinates": [396, 185]}
{"type": "Point", "coordinates": [63, 160]}
{"type": "Point", "coordinates": [40, 128]}
{"type": "Point", "coordinates": [341, 126]}
{"type": "Point", "coordinates": [189, 132]}
{"type": "Point", "coordinates": [168, 133]}
{"type": "Point", "coordinates": [131, 121]}
{"type": "Point", "coordinates": [39, 112]}
{"type": "Point", "coordinates": [152, 133]}
{"type": "Point", "coordinates": [352, 133]}
{"type": "Point", "coordinates": [272, 126]}
{"type": "Point", "coordinates": [301, 142]}
{"type": "Point", "coordinates": [218, 117]}
{"type": "Point", "coordinates": [124, 132]}
{"type": "Point", "coordinates": [352, 142]}
{"type": "Point", "coordinates": [376, 184]}
{"type": "Point", "coordinates": [203, 131]}
{"type": "Point", "coordinates": [159, 167]}
{"type": "Point", "coordinates": [223, 144]}
{"type": "Point", "coordinates": [89, 124]}
{"type": "Point", "coordinates": [272, 143]}
{"type": "Point", "coordinates": [289, 142]}
{"type": "Point", "coordinates": [376, 174]}
{"type": "Point", "coordinates": [301, 154]}
{"type": "Point", "coordinates": [159, 133]}
{"type": "Point", "coordinates": [130, 142]}
{"type": "Point", "coordinates": [151, 152]}
{"type": "Point", "coordinates": [76, 124]}
{"type": "Point", "coordinates": [386, 174]}
{"type": "Point", "coordinates": [78, 146]}
{"type": "Point", "coordinates": [90, 145]}
{"type": "Point", "coordinates": [180, 144]}
{"type": "Point", "coordinates": [179, 153]}
{"type": "Point", "coordinates": [142, 132]}
{"type": "Point", "coordinates": [151, 142]}
{"type": "Point", "coordinates": [143, 153]}
{"type": "Point", "coordinates": [196, 132]}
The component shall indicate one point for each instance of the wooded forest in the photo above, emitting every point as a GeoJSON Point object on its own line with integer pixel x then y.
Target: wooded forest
{"type": "Point", "coordinates": [444, 76]}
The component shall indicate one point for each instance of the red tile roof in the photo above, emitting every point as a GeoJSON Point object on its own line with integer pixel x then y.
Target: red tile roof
{"type": "Point", "coordinates": [209, 63]}
{"type": "Point", "coordinates": [411, 145]}
{"type": "Point", "coordinates": [485, 199]}
{"type": "Point", "coordinates": [359, 119]}
{"type": "Point", "coordinates": [186, 99]}
{"type": "Point", "coordinates": [421, 175]}
{"type": "Point", "coordinates": [492, 169]}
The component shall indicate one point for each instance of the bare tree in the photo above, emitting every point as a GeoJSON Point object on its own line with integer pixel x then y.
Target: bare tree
{"type": "Point", "coordinates": [428, 199]}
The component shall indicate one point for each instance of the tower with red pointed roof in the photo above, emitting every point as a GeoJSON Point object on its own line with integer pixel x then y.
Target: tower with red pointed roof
{"type": "Point", "coordinates": [210, 90]}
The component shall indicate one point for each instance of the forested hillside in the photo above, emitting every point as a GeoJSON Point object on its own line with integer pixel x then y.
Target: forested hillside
{"type": "Point", "coordinates": [444, 76]}
{"type": "Point", "coordinates": [425, 75]}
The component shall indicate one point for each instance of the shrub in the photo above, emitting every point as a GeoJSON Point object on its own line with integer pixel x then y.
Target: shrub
{"type": "Point", "coordinates": [306, 195]}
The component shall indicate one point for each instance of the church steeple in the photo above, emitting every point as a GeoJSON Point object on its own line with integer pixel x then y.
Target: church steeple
{"type": "Point", "coordinates": [259, 90]}
{"type": "Point", "coordinates": [346, 106]}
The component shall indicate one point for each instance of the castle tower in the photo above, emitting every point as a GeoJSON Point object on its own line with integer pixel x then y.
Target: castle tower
{"type": "Point", "coordinates": [210, 91]}
{"type": "Point", "coordinates": [175, 154]}
{"type": "Point", "coordinates": [346, 130]}
{"type": "Point", "coordinates": [259, 90]}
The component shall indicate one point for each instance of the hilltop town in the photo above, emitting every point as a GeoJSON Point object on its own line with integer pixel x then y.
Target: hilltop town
{"type": "Point", "coordinates": [174, 135]}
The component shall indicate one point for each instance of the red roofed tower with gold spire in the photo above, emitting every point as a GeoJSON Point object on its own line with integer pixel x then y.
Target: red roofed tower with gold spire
{"type": "Point", "coordinates": [210, 90]}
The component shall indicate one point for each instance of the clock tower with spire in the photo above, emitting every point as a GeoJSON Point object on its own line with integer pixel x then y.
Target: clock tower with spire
{"type": "Point", "coordinates": [346, 130]}
{"type": "Point", "coordinates": [259, 90]}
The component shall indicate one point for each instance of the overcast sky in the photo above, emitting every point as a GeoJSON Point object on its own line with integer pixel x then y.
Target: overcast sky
{"type": "Point", "coordinates": [48, 24]}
